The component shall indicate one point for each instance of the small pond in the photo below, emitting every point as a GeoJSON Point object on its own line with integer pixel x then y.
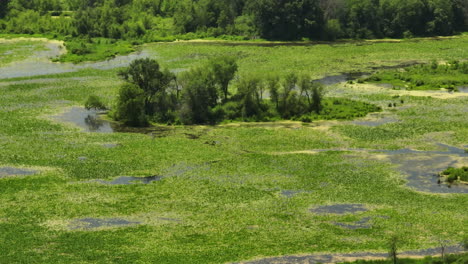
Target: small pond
{"type": "Point", "coordinates": [95, 223]}
{"type": "Point", "coordinates": [87, 120]}
{"type": "Point", "coordinates": [127, 180]}
{"type": "Point", "coordinates": [11, 171]}
{"type": "Point", "coordinates": [340, 209]}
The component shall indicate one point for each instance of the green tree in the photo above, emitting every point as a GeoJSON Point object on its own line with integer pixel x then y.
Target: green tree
{"type": "Point", "coordinates": [250, 98]}
{"type": "Point", "coordinates": [224, 69]}
{"type": "Point", "coordinates": [317, 97]}
{"type": "Point", "coordinates": [130, 106]}
{"type": "Point", "coordinates": [155, 83]}
{"type": "Point", "coordinates": [272, 83]}
{"type": "Point", "coordinates": [199, 97]}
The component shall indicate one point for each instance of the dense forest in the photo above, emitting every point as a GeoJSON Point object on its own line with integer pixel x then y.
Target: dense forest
{"type": "Point", "coordinates": [157, 20]}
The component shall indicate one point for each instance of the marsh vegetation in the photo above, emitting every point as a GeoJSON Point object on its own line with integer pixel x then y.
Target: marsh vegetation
{"type": "Point", "coordinates": [234, 191]}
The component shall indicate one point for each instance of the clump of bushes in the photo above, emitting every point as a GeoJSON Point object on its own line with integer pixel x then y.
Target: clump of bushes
{"type": "Point", "coordinates": [456, 174]}
{"type": "Point", "coordinates": [94, 102]}
{"type": "Point", "coordinates": [201, 96]}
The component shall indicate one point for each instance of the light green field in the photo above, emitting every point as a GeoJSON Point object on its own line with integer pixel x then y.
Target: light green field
{"type": "Point", "coordinates": [17, 50]}
{"type": "Point", "coordinates": [315, 60]}
{"type": "Point", "coordinates": [222, 198]}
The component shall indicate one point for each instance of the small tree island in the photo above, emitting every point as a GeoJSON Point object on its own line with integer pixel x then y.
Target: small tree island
{"type": "Point", "coordinates": [203, 95]}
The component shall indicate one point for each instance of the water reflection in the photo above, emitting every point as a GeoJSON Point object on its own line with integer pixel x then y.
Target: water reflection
{"type": "Point", "coordinates": [87, 120]}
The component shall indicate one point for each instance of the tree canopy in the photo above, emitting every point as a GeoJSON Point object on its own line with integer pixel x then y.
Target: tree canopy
{"type": "Point", "coordinates": [153, 20]}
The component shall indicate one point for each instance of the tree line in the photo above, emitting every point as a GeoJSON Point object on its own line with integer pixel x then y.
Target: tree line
{"type": "Point", "coordinates": [154, 20]}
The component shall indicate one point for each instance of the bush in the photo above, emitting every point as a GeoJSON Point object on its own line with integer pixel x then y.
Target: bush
{"type": "Point", "coordinates": [94, 102]}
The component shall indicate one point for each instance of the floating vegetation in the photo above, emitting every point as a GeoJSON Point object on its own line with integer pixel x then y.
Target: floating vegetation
{"type": "Point", "coordinates": [455, 174]}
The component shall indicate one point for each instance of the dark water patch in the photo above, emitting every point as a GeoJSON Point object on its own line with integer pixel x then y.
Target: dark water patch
{"type": "Point", "coordinates": [451, 249]}
{"type": "Point", "coordinates": [94, 223]}
{"type": "Point", "coordinates": [423, 170]}
{"type": "Point", "coordinates": [11, 171]}
{"type": "Point", "coordinates": [340, 78]}
{"type": "Point", "coordinates": [293, 193]}
{"type": "Point", "coordinates": [449, 150]}
{"type": "Point", "coordinates": [340, 209]}
{"type": "Point", "coordinates": [336, 257]}
{"type": "Point", "coordinates": [87, 120]}
{"type": "Point", "coordinates": [128, 180]}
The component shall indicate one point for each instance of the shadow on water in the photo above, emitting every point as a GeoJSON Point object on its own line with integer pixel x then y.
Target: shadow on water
{"type": "Point", "coordinates": [339, 209]}
{"type": "Point", "coordinates": [10, 171]}
{"type": "Point", "coordinates": [87, 120]}
{"type": "Point", "coordinates": [94, 223]}
{"type": "Point", "coordinates": [336, 258]}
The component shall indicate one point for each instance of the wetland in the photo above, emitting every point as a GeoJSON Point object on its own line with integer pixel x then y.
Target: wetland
{"type": "Point", "coordinates": [267, 192]}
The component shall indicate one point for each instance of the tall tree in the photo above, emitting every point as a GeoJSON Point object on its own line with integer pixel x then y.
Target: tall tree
{"type": "Point", "coordinates": [224, 69]}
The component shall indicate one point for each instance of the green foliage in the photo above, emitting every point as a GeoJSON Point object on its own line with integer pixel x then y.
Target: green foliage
{"type": "Point", "coordinates": [95, 102]}
{"type": "Point", "coordinates": [286, 20]}
{"type": "Point", "coordinates": [130, 108]}
{"type": "Point", "coordinates": [158, 86]}
{"type": "Point", "coordinates": [224, 68]}
{"type": "Point", "coordinates": [455, 174]}
{"type": "Point", "coordinates": [199, 97]}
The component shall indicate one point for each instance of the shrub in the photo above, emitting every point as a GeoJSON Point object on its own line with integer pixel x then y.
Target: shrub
{"type": "Point", "coordinates": [94, 102]}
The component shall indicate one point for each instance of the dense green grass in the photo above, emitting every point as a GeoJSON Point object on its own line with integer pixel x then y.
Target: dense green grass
{"type": "Point", "coordinates": [314, 60]}
{"type": "Point", "coordinates": [226, 195]}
